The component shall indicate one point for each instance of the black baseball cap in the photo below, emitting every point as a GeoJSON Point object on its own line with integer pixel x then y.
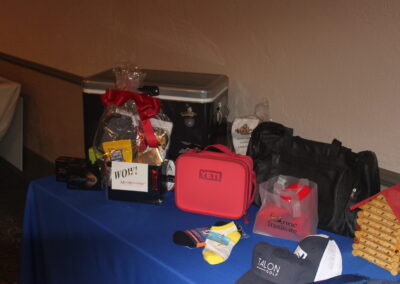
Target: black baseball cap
{"type": "Point", "coordinates": [317, 257]}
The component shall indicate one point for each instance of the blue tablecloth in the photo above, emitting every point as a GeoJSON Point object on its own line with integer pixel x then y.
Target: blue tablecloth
{"type": "Point", "coordinates": [73, 236]}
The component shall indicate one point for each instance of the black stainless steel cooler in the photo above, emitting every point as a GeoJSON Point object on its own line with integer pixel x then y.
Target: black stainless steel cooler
{"type": "Point", "coordinates": [197, 104]}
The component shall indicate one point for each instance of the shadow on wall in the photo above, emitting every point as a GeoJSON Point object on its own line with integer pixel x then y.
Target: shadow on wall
{"type": "Point", "coordinates": [53, 111]}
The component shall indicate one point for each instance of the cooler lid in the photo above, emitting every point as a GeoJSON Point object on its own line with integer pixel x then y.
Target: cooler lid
{"type": "Point", "coordinates": [172, 85]}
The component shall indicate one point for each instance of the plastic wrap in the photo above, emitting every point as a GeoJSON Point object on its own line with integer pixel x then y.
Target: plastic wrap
{"type": "Point", "coordinates": [132, 128]}
{"type": "Point", "coordinates": [128, 77]}
{"type": "Point", "coordinates": [242, 127]}
{"type": "Point", "coordinates": [289, 208]}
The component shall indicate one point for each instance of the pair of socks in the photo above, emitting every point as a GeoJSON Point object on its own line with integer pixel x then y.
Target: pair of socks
{"type": "Point", "coordinates": [218, 240]}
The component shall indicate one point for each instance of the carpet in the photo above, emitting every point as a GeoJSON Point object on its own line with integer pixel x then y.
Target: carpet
{"type": "Point", "coordinates": [13, 189]}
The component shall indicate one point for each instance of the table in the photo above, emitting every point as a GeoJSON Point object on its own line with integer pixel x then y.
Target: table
{"type": "Point", "coordinates": [76, 236]}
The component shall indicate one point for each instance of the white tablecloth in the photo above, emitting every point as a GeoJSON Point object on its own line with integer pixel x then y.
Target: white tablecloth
{"type": "Point", "coordinates": [9, 94]}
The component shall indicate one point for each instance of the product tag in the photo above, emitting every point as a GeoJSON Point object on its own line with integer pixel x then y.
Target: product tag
{"type": "Point", "coordinates": [243, 233]}
{"type": "Point", "coordinates": [129, 176]}
{"type": "Point", "coordinates": [158, 123]}
{"type": "Point", "coordinates": [241, 133]}
{"type": "Point", "coordinates": [198, 236]}
{"type": "Point", "coordinates": [224, 240]}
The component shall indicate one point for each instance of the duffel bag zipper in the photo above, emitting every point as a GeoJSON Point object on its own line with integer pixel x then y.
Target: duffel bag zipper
{"type": "Point", "coordinates": [349, 216]}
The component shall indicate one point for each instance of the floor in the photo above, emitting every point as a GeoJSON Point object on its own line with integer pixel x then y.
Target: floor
{"type": "Point", "coordinates": [12, 198]}
{"type": "Point", "coordinates": [13, 188]}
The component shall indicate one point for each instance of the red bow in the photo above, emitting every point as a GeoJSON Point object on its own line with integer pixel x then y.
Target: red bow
{"type": "Point", "coordinates": [146, 105]}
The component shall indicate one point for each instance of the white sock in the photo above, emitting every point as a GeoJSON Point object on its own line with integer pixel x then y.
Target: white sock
{"type": "Point", "coordinates": [220, 242]}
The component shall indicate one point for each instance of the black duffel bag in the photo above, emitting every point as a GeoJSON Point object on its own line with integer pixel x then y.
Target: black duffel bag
{"type": "Point", "coordinates": [344, 178]}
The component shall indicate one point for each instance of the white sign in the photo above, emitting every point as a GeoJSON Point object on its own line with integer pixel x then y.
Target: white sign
{"type": "Point", "coordinates": [129, 176]}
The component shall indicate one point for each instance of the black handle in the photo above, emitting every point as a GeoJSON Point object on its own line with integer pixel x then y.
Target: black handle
{"type": "Point", "coordinates": [150, 90]}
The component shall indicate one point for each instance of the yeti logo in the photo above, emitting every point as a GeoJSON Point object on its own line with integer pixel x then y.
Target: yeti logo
{"type": "Point", "coordinates": [210, 175]}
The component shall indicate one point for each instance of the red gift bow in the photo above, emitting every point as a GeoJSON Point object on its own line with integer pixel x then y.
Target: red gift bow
{"type": "Point", "coordinates": [146, 106]}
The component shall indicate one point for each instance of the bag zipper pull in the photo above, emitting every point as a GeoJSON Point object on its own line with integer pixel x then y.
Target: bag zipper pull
{"type": "Point", "coordinates": [353, 193]}
{"type": "Point", "coordinates": [246, 217]}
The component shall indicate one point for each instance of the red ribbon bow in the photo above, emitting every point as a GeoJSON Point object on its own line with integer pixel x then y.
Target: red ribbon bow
{"type": "Point", "coordinates": [146, 106]}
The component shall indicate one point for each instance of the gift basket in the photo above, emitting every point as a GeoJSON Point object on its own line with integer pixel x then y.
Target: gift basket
{"type": "Point", "coordinates": [132, 129]}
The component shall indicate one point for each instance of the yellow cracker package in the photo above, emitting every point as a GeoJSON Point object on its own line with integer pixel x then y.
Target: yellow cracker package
{"type": "Point", "coordinates": [123, 148]}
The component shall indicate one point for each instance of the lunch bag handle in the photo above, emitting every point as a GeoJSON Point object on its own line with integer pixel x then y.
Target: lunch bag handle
{"type": "Point", "coordinates": [226, 150]}
{"type": "Point", "coordinates": [220, 147]}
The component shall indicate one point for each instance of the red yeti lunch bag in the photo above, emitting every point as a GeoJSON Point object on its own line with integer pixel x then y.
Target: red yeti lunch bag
{"type": "Point", "coordinates": [220, 184]}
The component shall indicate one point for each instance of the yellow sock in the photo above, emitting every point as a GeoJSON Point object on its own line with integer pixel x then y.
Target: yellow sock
{"type": "Point", "coordinates": [220, 242]}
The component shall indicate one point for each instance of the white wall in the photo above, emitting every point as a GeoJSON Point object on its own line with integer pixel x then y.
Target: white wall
{"type": "Point", "coordinates": [329, 68]}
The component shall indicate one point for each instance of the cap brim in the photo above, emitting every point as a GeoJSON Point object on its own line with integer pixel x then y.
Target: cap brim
{"type": "Point", "coordinates": [252, 278]}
